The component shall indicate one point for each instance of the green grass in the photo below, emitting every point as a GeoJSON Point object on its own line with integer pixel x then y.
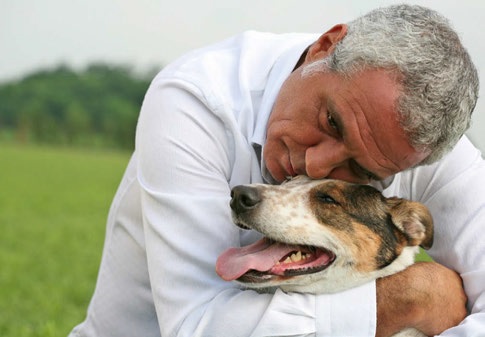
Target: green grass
{"type": "Point", "coordinates": [53, 208]}
{"type": "Point", "coordinates": [423, 256]}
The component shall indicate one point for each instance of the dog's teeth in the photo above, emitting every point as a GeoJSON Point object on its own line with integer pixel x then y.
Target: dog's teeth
{"type": "Point", "coordinates": [295, 257]}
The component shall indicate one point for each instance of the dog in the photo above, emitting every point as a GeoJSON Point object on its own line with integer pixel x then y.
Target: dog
{"type": "Point", "coordinates": [323, 236]}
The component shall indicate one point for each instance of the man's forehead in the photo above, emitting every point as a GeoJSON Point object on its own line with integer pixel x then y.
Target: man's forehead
{"type": "Point", "coordinates": [372, 97]}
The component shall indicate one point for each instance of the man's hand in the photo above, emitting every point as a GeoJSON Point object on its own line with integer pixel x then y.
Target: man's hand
{"type": "Point", "coordinates": [426, 296]}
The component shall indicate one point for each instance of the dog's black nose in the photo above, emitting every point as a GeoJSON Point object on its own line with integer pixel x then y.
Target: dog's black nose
{"type": "Point", "coordinates": [244, 198]}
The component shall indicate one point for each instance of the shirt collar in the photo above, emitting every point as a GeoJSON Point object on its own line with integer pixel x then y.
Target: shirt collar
{"type": "Point", "coordinates": [280, 71]}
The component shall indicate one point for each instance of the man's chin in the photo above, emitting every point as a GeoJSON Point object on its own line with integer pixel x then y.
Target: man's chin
{"type": "Point", "coordinates": [272, 178]}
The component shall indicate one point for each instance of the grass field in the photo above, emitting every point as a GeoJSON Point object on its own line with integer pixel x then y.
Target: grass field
{"type": "Point", "coordinates": [53, 207]}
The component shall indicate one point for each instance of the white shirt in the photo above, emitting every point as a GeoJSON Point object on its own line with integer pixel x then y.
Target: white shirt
{"type": "Point", "coordinates": [200, 122]}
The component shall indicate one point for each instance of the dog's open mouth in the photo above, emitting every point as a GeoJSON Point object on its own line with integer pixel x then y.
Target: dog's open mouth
{"type": "Point", "coordinates": [267, 259]}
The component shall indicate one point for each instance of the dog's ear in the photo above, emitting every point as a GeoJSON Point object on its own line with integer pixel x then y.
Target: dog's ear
{"type": "Point", "coordinates": [414, 220]}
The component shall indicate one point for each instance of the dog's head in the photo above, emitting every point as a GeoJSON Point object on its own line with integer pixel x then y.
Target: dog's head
{"type": "Point", "coordinates": [322, 235]}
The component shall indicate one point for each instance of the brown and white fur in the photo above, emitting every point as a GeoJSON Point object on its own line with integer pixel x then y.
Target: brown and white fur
{"type": "Point", "coordinates": [338, 235]}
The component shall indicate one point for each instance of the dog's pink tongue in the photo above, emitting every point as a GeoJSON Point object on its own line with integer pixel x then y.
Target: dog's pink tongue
{"type": "Point", "coordinates": [261, 256]}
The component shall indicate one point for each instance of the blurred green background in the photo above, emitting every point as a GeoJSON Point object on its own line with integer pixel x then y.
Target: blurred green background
{"type": "Point", "coordinates": [96, 107]}
{"type": "Point", "coordinates": [65, 139]}
{"type": "Point", "coordinates": [54, 204]}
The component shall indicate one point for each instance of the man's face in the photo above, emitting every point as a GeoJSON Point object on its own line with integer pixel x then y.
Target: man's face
{"type": "Point", "coordinates": [327, 125]}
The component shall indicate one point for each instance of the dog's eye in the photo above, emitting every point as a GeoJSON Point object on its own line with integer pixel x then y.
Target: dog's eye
{"type": "Point", "coordinates": [325, 198]}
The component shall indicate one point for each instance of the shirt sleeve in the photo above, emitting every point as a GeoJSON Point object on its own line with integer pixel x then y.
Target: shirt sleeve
{"type": "Point", "coordinates": [454, 191]}
{"type": "Point", "coordinates": [185, 162]}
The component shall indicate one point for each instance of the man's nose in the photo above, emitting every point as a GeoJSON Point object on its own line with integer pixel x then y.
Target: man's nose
{"type": "Point", "coordinates": [324, 159]}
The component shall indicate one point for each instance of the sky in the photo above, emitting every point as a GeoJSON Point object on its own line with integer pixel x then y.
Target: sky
{"type": "Point", "coordinates": [147, 34]}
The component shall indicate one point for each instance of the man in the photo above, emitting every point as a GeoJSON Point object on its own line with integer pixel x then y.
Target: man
{"type": "Point", "coordinates": [368, 102]}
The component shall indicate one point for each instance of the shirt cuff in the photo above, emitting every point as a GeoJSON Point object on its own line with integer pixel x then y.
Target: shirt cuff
{"type": "Point", "coordinates": [349, 313]}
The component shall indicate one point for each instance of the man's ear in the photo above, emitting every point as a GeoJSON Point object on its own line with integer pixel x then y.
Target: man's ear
{"type": "Point", "coordinates": [326, 43]}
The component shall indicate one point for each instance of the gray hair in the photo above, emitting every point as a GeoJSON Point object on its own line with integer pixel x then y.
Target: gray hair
{"type": "Point", "coordinates": [439, 81]}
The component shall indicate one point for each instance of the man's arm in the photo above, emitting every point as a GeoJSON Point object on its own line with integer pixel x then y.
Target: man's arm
{"type": "Point", "coordinates": [454, 191]}
{"type": "Point", "coordinates": [426, 296]}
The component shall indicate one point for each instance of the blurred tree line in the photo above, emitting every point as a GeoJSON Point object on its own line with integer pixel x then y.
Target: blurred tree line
{"type": "Point", "coordinates": [96, 107]}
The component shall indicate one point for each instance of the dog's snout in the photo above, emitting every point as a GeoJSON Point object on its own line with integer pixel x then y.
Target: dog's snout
{"type": "Point", "coordinates": [244, 198]}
